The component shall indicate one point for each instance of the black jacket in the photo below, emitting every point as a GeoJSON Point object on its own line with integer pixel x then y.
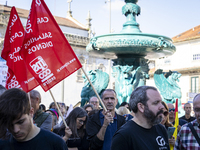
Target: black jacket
{"type": "Point", "coordinates": [94, 125]}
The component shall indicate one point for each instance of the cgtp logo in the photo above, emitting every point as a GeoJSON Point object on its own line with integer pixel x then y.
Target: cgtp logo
{"type": "Point", "coordinates": [13, 82]}
{"type": "Point", "coordinates": [40, 67]}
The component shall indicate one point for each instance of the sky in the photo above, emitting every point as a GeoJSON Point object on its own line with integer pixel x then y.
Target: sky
{"type": "Point", "coordinates": [163, 17]}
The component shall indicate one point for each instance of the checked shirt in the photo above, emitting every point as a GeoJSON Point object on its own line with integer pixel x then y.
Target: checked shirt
{"type": "Point", "coordinates": [186, 140]}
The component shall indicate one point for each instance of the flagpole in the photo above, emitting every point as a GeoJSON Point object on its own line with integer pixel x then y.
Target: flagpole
{"type": "Point", "coordinates": [58, 108]}
{"type": "Point", "coordinates": [94, 90]}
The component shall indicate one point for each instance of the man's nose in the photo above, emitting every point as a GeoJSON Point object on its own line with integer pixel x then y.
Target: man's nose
{"type": "Point", "coordinates": [161, 106]}
{"type": "Point", "coordinates": [16, 128]}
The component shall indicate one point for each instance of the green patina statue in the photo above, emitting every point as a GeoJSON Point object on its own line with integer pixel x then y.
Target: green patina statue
{"type": "Point", "coordinates": [100, 82]}
{"type": "Point", "coordinates": [168, 87]}
{"type": "Point", "coordinates": [127, 79]}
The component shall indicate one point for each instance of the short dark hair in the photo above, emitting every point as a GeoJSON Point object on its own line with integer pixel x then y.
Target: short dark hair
{"type": "Point", "coordinates": [139, 95]}
{"type": "Point", "coordinates": [123, 104]}
{"type": "Point", "coordinates": [42, 107]}
{"type": "Point", "coordinates": [186, 104]}
{"type": "Point", "coordinates": [13, 104]}
{"type": "Point", "coordinates": [88, 105]}
{"type": "Point", "coordinates": [109, 90]}
{"type": "Point", "coordinates": [77, 112]}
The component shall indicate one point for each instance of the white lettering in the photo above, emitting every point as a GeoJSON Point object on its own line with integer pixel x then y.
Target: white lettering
{"type": "Point", "coordinates": [49, 81]}
{"type": "Point", "coordinates": [40, 46]}
{"type": "Point", "coordinates": [17, 34]}
{"type": "Point", "coordinates": [38, 2]}
{"type": "Point", "coordinates": [42, 20]}
{"type": "Point", "coordinates": [66, 64]}
{"type": "Point", "coordinates": [15, 58]}
{"type": "Point", "coordinates": [29, 80]}
{"type": "Point", "coordinates": [34, 39]}
{"type": "Point", "coordinates": [28, 27]}
{"type": "Point", "coordinates": [13, 21]}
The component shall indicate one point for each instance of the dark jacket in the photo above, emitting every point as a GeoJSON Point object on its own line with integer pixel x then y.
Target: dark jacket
{"type": "Point", "coordinates": [43, 120]}
{"type": "Point", "coordinates": [94, 125]}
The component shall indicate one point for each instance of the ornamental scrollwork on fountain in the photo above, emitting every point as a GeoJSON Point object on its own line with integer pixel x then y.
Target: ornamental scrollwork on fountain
{"type": "Point", "coordinates": [159, 43]}
{"type": "Point", "coordinates": [130, 8]}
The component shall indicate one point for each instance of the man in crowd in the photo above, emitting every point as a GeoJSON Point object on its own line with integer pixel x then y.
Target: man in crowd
{"type": "Point", "coordinates": [172, 116]}
{"type": "Point", "coordinates": [41, 119]}
{"type": "Point", "coordinates": [186, 138]}
{"type": "Point", "coordinates": [102, 125]}
{"type": "Point", "coordinates": [143, 131]}
{"type": "Point", "coordinates": [95, 102]}
{"type": "Point", "coordinates": [17, 116]}
{"type": "Point", "coordinates": [187, 117]}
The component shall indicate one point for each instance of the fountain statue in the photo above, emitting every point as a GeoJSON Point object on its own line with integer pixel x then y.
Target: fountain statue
{"type": "Point", "coordinates": [130, 50]}
{"type": "Point", "coordinates": [100, 81]}
{"type": "Point", "coordinates": [169, 88]}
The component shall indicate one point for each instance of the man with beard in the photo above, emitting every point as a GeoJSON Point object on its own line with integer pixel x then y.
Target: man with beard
{"type": "Point", "coordinates": [143, 132]}
{"type": "Point", "coordinates": [102, 125]}
{"type": "Point", "coordinates": [186, 138]}
{"type": "Point", "coordinates": [17, 116]}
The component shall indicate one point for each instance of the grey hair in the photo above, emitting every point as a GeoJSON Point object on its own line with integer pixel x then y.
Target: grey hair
{"type": "Point", "coordinates": [35, 94]}
{"type": "Point", "coordinates": [108, 90]}
{"type": "Point", "coordinates": [139, 95]}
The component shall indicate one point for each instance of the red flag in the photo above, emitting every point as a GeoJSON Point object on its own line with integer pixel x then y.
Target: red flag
{"type": "Point", "coordinates": [17, 72]}
{"type": "Point", "coordinates": [48, 55]}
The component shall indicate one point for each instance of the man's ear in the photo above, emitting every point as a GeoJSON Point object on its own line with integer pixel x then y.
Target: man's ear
{"type": "Point", "coordinates": [31, 111]}
{"type": "Point", "coordinates": [116, 101]}
{"type": "Point", "coordinates": [140, 107]}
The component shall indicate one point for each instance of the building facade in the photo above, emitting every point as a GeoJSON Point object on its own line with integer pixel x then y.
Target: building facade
{"type": "Point", "coordinates": [186, 60]}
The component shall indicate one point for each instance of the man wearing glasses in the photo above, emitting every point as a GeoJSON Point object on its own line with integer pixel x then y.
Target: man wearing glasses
{"type": "Point", "coordinates": [187, 139]}
{"type": "Point", "coordinates": [172, 116]}
{"type": "Point", "coordinates": [95, 102]}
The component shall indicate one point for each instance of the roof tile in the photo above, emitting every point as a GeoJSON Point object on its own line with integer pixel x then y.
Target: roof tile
{"type": "Point", "coordinates": [191, 34]}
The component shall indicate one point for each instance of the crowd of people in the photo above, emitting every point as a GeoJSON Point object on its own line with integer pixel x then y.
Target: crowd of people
{"type": "Point", "coordinates": [141, 124]}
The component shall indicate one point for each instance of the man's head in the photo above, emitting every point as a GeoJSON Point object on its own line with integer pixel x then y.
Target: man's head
{"type": "Point", "coordinates": [109, 98]}
{"type": "Point", "coordinates": [171, 112]}
{"type": "Point", "coordinates": [16, 114]}
{"type": "Point", "coordinates": [35, 100]}
{"type": "Point", "coordinates": [196, 107]}
{"type": "Point", "coordinates": [187, 108]}
{"type": "Point", "coordinates": [95, 102]}
{"type": "Point", "coordinates": [146, 100]}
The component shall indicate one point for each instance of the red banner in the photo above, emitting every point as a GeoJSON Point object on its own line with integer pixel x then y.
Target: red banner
{"type": "Point", "coordinates": [17, 72]}
{"type": "Point", "coordinates": [46, 51]}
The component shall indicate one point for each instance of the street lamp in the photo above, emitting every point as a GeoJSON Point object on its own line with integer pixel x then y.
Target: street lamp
{"type": "Point", "coordinates": [110, 15]}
